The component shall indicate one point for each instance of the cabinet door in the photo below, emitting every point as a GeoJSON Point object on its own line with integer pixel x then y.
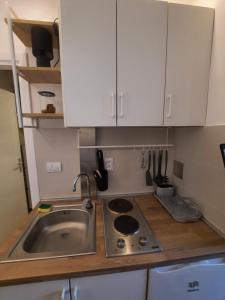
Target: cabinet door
{"type": "Point", "coordinates": [141, 59]}
{"type": "Point", "coordinates": [118, 286]}
{"type": "Point", "coordinates": [188, 63]}
{"type": "Point", "coordinates": [50, 290]}
{"type": "Point", "coordinates": [191, 281]}
{"type": "Point", "coordinates": [88, 62]}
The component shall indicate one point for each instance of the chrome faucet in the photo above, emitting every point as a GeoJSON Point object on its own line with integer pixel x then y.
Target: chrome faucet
{"type": "Point", "coordinates": [87, 201]}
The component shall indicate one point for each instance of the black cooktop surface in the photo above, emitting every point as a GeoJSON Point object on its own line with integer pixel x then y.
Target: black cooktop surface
{"type": "Point", "coordinates": [126, 225]}
{"type": "Point", "coordinates": [120, 205]}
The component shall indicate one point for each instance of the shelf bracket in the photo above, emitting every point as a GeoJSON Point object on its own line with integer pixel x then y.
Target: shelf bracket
{"type": "Point", "coordinates": [35, 124]}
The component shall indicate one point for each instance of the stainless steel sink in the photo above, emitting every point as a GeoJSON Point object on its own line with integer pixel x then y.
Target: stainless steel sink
{"type": "Point", "coordinates": [65, 231]}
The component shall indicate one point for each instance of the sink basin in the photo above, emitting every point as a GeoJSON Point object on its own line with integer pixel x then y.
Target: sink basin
{"type": "Point", "coordinates": [65, 231]}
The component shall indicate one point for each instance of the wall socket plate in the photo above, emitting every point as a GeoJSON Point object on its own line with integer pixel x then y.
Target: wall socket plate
{"type": "Point", "coordinates": [54, 167]}
{"type": "Point", "coordinates": [178, 169]}
{"type": "Point", "coordinates": [108, 161]}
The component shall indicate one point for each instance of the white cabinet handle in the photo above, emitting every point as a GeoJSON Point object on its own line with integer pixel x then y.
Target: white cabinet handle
{"type": "Point", "coordinates": [76, 293]}
{"type": "Point", "coordinates": [63, 294]}
{"type": "Point", "coordinates": [113, 105]}
{"type": "Point", "coordinates": [169, 101]}
{"type": "Point", "coordinates": [121, 100]}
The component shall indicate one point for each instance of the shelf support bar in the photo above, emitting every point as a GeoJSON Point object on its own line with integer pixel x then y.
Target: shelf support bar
{"type": "Point", "coordinates": [35, 125]}
{"type": "Point", "coordinates": [117, 147]}
{"type": "Point", "coordinates": [14, 71]}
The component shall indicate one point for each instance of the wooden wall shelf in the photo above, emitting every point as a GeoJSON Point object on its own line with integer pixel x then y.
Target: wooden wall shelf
{"type": "Point", "coordinates": [22, 28]}
{"type": "Point", "coordinates": [40, 74]}
{"type": "Point", "coordinates": [43, 116]}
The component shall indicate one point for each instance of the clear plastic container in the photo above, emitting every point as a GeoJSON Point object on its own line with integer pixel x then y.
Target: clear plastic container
{"type": "Point", "coordinates": [182, 209]}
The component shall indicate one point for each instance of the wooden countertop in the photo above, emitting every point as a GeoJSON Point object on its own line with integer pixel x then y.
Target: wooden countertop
{"type": "Point", "coordinates": [180, 242]}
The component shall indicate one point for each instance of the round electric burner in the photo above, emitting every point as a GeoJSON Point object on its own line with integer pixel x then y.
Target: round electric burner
{"type": "Point", "coordinates": [120, 205]}
{"type": "Point", "coordinates": [126, 225]}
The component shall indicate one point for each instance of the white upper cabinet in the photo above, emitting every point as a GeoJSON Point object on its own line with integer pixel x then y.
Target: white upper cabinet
{"type": "Point", "coordinates": [141, 60]}
{"type": "Point", "coordinates": [134, 63]}
{"type": "Point", "coordinates": [88, 62]}
{"type": "Point", "coordinates": [118, 286]}
{"type": "Point", "coordinates": [190, 31]}
{"type": "Point", "coordinates": [91, 62]}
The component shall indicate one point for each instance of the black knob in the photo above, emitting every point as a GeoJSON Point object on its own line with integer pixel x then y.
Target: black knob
{"type": "Point", "coordinates": [120, 243]}
{"type": "Point", "coordinates": [143, 241]}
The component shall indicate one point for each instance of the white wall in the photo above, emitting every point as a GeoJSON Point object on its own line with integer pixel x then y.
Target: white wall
{"type": "Point", "coordinates": [127, 176]}
{"type": "Point", "coordinates": [204, 174]}
{"type": "Point", "coordinates": [57, 145]}
{"type": "Point", "coordinates": [35, 9]}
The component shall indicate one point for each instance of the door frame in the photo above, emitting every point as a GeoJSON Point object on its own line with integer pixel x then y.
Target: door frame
{"type": "Point", "coordinates": [5, 64]}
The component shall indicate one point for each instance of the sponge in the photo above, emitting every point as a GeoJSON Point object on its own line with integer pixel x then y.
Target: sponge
{"type": "Point", "coordinates": [45, 208]}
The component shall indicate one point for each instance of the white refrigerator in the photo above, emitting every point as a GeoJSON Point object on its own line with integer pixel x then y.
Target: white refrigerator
{"type": "Point", "coordinates": [202, 280]}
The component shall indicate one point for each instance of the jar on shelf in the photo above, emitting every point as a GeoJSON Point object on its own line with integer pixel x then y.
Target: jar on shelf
{"type": "Point", "coordinates": [47, 99]}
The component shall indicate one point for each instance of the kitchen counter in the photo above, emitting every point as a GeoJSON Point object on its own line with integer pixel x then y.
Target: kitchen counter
{"type": "Point", "coordinates": [180, 242]}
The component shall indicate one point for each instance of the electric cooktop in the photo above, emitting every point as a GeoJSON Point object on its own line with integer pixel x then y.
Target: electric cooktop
{"type": "Point", "coordinates": [126, 230]}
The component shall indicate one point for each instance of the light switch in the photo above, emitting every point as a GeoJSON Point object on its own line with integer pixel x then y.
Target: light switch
{"type": "Point", "coordinates": [54, 167]}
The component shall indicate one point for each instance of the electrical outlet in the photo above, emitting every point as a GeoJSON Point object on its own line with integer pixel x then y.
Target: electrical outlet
{"type": "Point", "coordinates": [108, 163]}
{"type": "Point", "coordinates": [54, 167]}
{"type": "Point", "coordinates": [178, 169]}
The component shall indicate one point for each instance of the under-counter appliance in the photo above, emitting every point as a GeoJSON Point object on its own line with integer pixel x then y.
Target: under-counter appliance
{"type": "Point", "coordinates": [126, 230]}
{"type": "Point", "coordinates": [202, 280]}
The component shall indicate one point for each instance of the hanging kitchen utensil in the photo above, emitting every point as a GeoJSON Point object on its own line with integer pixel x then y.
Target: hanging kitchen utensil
{"type": "Point", "coordinates": [148, 172]}
{"type": "Point", "coordinates": [143, 160]}
{"type": "Point", "coordinates": [154, 164]}
{"type": "Point", "coordinates": [98, 180]}
{"type": "Point", "coordinates": [159, 177]}
{"type": "Point", "coordinates": [165, 177]}
{"type": "Point", "coordinates": [222, 149]}
{"type": "Point", "coordinates": [101, 174]}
